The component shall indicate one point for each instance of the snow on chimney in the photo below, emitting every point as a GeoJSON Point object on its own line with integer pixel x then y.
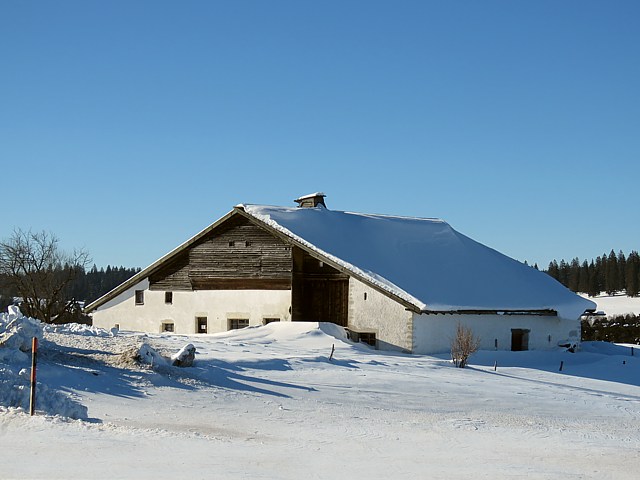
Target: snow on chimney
{"type": "Point", "coordinates": [311, 200]}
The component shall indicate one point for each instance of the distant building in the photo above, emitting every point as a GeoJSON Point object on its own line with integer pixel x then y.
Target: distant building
{"type": "Point", "coordinates": [399, 283]}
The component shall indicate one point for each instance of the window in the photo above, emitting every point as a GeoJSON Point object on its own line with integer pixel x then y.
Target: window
{"type": "Point", "coordinates": [232, 243]}
{"type": "Point", "coordinates": [237, 323]}
{"type": "Point", "coordinates": [139, 297]}
{"type": "Point", "coordinates": [168, 297]}
{"type": "Point", "coordinates": [267, 321]}
{"type": "Point", "coordinates": [201, 324]}
{"type": "Point", "coordinates": [247, 243]}
{"type": "Point", "coordinates": [167, 327]}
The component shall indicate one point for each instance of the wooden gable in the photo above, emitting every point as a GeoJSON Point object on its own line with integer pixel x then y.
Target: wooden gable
{"type": "Point", "coordinates": [236, 255]}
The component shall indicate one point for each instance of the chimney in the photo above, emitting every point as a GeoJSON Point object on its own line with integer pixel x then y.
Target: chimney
{"type": "Point", "coordinates": [311, 200]}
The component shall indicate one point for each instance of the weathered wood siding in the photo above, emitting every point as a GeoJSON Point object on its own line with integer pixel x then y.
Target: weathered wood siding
{"type": "Point", "coordinates": [237, 256]}
{"type": "Point", "coordinates": [172, 277]}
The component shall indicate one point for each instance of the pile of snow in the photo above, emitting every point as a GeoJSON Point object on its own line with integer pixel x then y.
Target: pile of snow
{"type": "Point", "coordinates": [147, 355]}
{"type": "Point", "coordinates": [185, 357]}
{"type": "Point", "coordinates": [16, 336]}
{"type": "Point", "coordinates": [80, 329]}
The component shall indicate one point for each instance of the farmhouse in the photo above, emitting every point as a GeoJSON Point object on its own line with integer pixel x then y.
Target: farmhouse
{"type": "Point", "coordinates": [398, 283]}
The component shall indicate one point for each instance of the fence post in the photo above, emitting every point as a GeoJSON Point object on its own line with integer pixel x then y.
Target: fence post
{"type": "Point", "coordinates": [561, 365]}
{"type": "Point", "coordinates": [34, 363]}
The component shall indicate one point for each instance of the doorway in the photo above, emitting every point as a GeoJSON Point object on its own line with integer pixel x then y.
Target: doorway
{"type": "Point", "coordinates": [519, 339]}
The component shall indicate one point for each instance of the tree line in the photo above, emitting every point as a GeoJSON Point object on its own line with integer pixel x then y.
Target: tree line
{"type": "Point", "coordinates": [610, 273]}
{"type": "Point", "coordinates": [85, 285]}
{"type": "Point", "coordinates": [51, 284]}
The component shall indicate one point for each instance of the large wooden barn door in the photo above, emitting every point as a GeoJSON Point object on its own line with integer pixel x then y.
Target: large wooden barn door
{"type": "Point", "coordinates": [319, 292]}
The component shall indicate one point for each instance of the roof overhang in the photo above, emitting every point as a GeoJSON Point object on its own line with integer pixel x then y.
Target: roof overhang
{"type": "Point", "coordinates": [539, 313]}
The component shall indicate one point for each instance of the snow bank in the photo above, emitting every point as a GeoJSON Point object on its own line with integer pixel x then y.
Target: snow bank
{"type": "Point", "coordinates": [285, 332]}
{"type": "Point", "coordinates": [15, 392]}
{"type": "Point", "coordinates": [80, 329]}
{"type": "Point", "coordinates": [16, 334]}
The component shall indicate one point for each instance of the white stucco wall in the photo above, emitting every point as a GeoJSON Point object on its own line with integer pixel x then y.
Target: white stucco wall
{"type": "Point", "coordinates": [433, 333]}
{"type": "Point", "coordinates": [389, 320]}
{"type": "Point", "coordinates": [217, 305]}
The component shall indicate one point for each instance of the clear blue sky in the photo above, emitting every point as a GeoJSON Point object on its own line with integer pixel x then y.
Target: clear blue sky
{"type": "Point", "coordinates": [128, 126]}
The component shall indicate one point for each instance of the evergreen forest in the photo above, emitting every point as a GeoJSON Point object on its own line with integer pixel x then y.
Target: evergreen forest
{"type": "Point", "coordinates": [611, 273]}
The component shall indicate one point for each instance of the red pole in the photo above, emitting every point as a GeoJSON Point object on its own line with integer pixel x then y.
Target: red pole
{"type": "Point", "coordinates": [34, 362]}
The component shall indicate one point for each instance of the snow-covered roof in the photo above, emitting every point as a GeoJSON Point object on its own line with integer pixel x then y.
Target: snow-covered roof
{"type": "Point", "coordinates": [422, 261]}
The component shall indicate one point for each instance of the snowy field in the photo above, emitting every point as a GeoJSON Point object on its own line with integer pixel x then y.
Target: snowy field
{"type": "Point", "coordinates": [614, 305]}
{"type": "Point", "coordinates": [268, 403]}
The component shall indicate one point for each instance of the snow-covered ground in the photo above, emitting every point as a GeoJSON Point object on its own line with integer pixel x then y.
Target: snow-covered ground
{"type": "Point", "coordinates": [614, 305]}
{"type": "Point", "coordinates": [269, 403]}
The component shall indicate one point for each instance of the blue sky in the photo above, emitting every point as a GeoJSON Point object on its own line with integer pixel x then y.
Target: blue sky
{"type": "Point", "coordinates": [127, 127]}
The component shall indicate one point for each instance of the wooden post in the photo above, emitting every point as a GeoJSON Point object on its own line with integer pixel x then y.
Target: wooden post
{"type": "Point", "coordinates": [561, 365]}
{"type": "Point", "coordinates": [632, 351]}
{"type": "Point", "coordinates": [333, 348]}
{"type": "Point", "coordinates": [495, 343]}
{"type": "Point", "coordinates": [34, 363]}
{"type": "Point", "coordinates": [495, 365]}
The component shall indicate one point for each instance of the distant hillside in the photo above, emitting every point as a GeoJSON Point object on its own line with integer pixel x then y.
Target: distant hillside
{"type": "Point", "coordinates": [614, 305]}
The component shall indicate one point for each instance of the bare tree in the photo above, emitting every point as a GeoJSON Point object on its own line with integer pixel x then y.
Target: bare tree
{"type": "Point", "coordinates": [36, 269]}
{"type": "Point", "coordinates": [463, 345]}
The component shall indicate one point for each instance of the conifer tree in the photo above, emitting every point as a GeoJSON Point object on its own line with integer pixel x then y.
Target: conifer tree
{"type": "Point", "coordinates": [632, 274]}
{"type": "Point", "coordinates": [611, 274]}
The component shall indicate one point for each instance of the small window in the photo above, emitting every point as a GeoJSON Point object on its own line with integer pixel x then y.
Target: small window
{"type": "Point", "coordinates": [232, 243]}
{"type": "Point", "coordinates": [168, 297]}
{"type": "Point", "coordinates": [139, 297]}
{"type": "Point", "coordinates": [247, 243]}
{"type": "Point", "coordinates": [201, 324]}
{"type": "Point", "coordinates": [237, 323]}
{"type": "Point", "coordinates": [167, 327]}
{"type": "Point", "coordinates": [267, 321]}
